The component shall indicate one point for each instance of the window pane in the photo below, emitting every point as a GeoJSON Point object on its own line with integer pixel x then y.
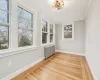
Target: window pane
{"type": "Point", "coordinates": [51, 37]}
{"type": "Point", "coordinates": [44, 38]}
{"type": "Point", "coordinates": [25, 37]}
{"type": "Point", "coordinates": [51, 28]}
{"type": "Point", "coordinates": [67, 28]}
{"type": "Point", "coordinates": [44, 25]}
{"type": "Point", "coordinates": [25, 19]}
{"type": "Point", "coordinates": [4, 37]}
{"type": "Point", "coordinates": [3, 16]}
{"type": "Point", "coordinates": [67, 34]}
{"type": "Point", "coordinates": [4, 5]}
{"type": "Point", "coordinates": [20, 12]}
{"type": "Point", "coordinates": [23, 23]}
{"type": "Point", "coordinates": [27, 15]}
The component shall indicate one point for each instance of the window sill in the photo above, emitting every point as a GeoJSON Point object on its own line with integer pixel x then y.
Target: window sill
{"type": "Point", "coordinates": [47, 45]}
{"type": "Point", "coordinates": [13, 51]}
{"type": "Point", "coordinates": [69, 39]}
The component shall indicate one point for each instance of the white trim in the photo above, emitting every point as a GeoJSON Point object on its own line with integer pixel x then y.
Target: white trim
{"type": "Point", "coordinates": [44, 31]}
{"type": "Point", "coordinates": [88, 8]}
{"type": "Point", "coordinates": [9, 77]}
{"type": "Point", "coordinates": [25, 8]}
{"type": "Point", "coordinates": [9, 52]}
{"type": "Point", "coordinates": [48, 45]}
{"type": "Point", "coordinates": [41, 30]}
{"type": "Point", "coordinates": [52, 34]}
{"type": "Point", "coordinates": [4, 23]}
{"type": "Point", "coordinates": [72, 32]}
{"type": "Point", "coordinates": [76, 53]}
{"type": "Point", "coordinates": [19, 27]}
{"type": "Point", "coordinates": [34, 18]}
{"type": "Point", "coordinates": [94, 76]}
{"type": "Point", "coordinates": [48, 33]}
{"type": "Point", "coordinates": [44, 44]}
{"type": "Point", "coordinates": [10, 23]}
{"type": "Point", "coordinates": [7, 24]}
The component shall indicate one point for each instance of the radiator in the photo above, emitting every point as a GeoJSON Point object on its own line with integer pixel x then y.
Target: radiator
{"type": "Point", "coordinates": [49, 51]}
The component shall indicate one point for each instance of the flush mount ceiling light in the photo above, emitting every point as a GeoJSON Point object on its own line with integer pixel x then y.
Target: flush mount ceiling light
{"type": "Point", "coordinates": [58, 4]}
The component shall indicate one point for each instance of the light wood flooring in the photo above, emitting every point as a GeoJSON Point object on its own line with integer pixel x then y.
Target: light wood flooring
{"type": "Point", "coordinates": [59, 67]}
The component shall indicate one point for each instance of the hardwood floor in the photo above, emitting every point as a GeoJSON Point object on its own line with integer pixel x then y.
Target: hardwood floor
{"type": "Point", "coordinates": [59, 67]}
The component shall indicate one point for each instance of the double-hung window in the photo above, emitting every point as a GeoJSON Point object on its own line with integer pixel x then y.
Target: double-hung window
{"type": "Point", "coordinates": [25, 27]}
{"type": "Point", "coordinates": [44, 32]}
{"type": "Point", "coordinates": [51, 33]}
{"type": "Point", "coordinates": [4, 24]}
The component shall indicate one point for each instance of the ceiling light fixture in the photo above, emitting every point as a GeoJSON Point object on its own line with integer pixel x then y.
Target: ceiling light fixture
{"type": "Point", "coordinates": [58, 4]}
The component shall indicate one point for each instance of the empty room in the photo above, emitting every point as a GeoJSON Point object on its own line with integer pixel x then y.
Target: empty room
{"type": "Point", "coordinates": [49, 40]}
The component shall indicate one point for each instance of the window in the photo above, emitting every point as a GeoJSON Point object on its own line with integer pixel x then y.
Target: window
{"type": "Point", "coordinates": [51, 33]}
{"type": "Point", "coordinates": [4, 24]}
{"type": "Point", "coordinates": [44, 32]}
{"type": "Point", "coordinates": [68, 31]}
{"type": "Point", "coordinates": [25, 27]}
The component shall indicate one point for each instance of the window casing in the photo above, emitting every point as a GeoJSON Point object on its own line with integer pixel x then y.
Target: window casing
{"type": "Point", "coordinates": [44, 32]}
{"type": "Point", "coordinates": [68, 31]}
{"type": "Point", "coordinates": [48, 33]}
{"type": "Point", "coordinates": [25, 28]}
{"type": "Point", "coordinates": [4, 24]}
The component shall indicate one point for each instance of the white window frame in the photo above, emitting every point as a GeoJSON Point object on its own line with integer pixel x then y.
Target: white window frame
{"type": "Point", "coordinates": [45, 32]}
{"type": "Point", "coordinates": [52, 33]}
{"type": "Point", "coordinates": [72, 32]}
{"type": "Point", "coordinates": [13, 31]}
{"type": "Point", "coordinates": [33, 20]}
{"type": "Point", "coordinates": [7, 25]}
{"type": "Point", "coordinates": [48, 33]}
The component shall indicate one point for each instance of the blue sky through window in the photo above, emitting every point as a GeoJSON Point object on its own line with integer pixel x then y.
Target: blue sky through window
{"type": "Point", "coordinates": [3, 10]}
{"type": "Point", "coordinates": [4, 4]}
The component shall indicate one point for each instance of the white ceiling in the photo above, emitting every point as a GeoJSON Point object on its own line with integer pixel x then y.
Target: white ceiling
{"type": "Point", "coordinates": [73, 10]}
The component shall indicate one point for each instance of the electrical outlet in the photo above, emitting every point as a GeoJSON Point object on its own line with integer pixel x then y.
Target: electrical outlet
{"type": "Point", "coordinates": [9, 63]}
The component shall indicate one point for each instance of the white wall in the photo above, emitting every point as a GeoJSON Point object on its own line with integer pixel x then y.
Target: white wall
{"type": "Point", "coordinates": [93, 38]}
{"type": "Point", "coordinates": [78, 44]}
{"type": "Point", "coordinates": [12, 63]}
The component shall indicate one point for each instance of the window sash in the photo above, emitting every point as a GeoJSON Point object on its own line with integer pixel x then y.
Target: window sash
{"type": "Point", "coordinates": [28, 29]}
{"type": "Point", "coordinates": [25, 28]}
{"type": "Point", "coordinates": [5, 24]}
{"type": "Point", "coordinates": [52, 38]}
{"type": "Point", "coordinates": [7, 11]}
{"type": "Point", "coordinates": [4, 39]}
{"type": "Point", "coordinates": [45, 32]}
{"type": "Point", "coordinates": [51, 33]}
{"type": "Point", "coordinates": [51, 28]}
{"type": "Point", "coordinates": [44, 26]}
{"type": "Point", "coordinates": [22, 25]}
{"type": "Point", "coordinates": [45, 37]}
{"type": "Point", "coordinates": [26, 32]}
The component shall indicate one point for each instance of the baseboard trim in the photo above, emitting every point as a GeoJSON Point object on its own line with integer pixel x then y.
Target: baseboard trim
{"type": "Point", "coordinates": [9, 77]}
{"type": "Point", "coordinates": [94, 76]}
{"type": "Point", "coordinates": [76, 53]}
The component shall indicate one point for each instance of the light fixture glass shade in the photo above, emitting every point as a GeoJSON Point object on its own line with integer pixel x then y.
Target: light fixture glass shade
{"type": "Point", "coordinates": [58, 4]}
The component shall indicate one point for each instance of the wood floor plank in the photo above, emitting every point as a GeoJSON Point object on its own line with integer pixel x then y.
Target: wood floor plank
{"type": "Point", "coordinates": [86, 73]}
{"type": "Point", "coordinates": [60, 71]}
{"type": "Point", "coordinates": [54, 74]}
{"type": "Point", "coordinates": [31, 77]}
{"type": "Point", "coordinates": [60, 66]}
{"type": "Point", "coordinates": [66, 62]}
